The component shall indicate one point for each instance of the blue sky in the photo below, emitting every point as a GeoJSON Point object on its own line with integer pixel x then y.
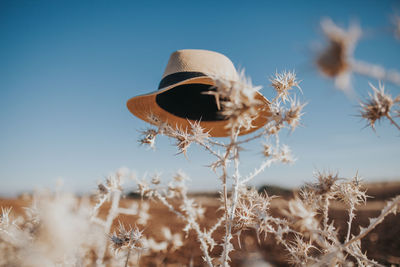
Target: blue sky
{"type": "Point", "coordinates": [67, 69]}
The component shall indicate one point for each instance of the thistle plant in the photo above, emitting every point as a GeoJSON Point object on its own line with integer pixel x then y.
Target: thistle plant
{"type": "Point", "coordinates": [380, 105]}
{"type": "Point", "coordinates": [126, 239]}
{"type": "Point", "coordinates": [238, 101]}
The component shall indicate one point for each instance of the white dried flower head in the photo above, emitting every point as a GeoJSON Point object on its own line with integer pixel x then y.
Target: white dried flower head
{"type": "Point", "coordinates": [351, 192]}
{"type": "Point", "coordinates": [335, 60]}
{"type": "Point", "coordinates": [183, 141]}
{"type": "Point", "coordinates": [199, 134]}
{"type": "Point", "coordinates": [294, 113]}
{"type": "Point", "coordinates": [284, 155]}
{"type": "Point", "coordinates": [283, 82]}
{"type": "Point", "coordinates": [177, 188]}
{"type": "Point", "coordinates": [114, 182]}
{"type": "Point", "coordinates": [144, 189]}
{"type": "Point", "coordinates": [237, 100]}
{"type": "Point", "coordinates": [309, 197]}
{"type": "Point", "coordinates": [149, 138]}
{"type": "Point", "coordinates": [325, 184]}
{"type": "Point", "coordinates": [253, 211]}
{"type": "Point", "coordinates": [126, 239]}
{"type": "Point", "coordinates": [378, 106]}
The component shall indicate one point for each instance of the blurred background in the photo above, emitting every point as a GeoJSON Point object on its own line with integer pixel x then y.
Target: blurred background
{"type": "Point", "coordinates": [67, 69]}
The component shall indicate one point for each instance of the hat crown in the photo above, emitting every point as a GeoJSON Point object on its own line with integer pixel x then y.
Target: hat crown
{"type": "Point", "coordinates": [196, 60]}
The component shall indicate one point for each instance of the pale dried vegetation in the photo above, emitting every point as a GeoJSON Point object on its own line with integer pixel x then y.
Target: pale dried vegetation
{"type": "Point", "coordinates": [63, 230]}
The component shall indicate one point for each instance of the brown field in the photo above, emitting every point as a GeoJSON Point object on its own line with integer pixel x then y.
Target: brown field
{"type": "Point", "coordinates": [382, 244]}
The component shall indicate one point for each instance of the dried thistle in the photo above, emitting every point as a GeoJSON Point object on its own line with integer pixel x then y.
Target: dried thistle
{"type": "Point", "coordinates": [351, 192]}
{"type": "Point", "coordinates": [199, 134]}
{"type": "Point", "coordinates": [294, 113]}
{"type": "Point", "coordinates": [237, 100]}
{"type": "Point", "coordinates": [378, 106]}
{"type": "Point", "coordinates": [283, 83]}
{"type": "Point", "coordinates": [336, 59]}
{"type": "Point", "coordinates": [325, 184]}
{"type": "Point", "coordinates": [149, 138]}
{"type": "Point", "coordinates": [183, 140]}
{"type": "Point", "coordinates": [126, 239]}
{"type": "Point", "coordinates": [284, 155]}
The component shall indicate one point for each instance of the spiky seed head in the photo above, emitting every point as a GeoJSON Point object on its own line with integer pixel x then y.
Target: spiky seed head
{"type": "Point", "coordinates": [284, 82]}
{"type": "Point", "coordinates": [377, 106]}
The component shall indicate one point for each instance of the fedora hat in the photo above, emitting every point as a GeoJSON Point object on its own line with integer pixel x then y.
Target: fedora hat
{"type": "Point", "coordinates": [181, 99]}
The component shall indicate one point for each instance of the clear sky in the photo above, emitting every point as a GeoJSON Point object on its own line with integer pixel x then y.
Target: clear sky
{"type": "Point", "coordinates": [67, 69]}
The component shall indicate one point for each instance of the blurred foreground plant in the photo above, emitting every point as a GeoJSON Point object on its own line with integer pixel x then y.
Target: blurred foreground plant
{"type": "Point", "coordinates": [336, 61]}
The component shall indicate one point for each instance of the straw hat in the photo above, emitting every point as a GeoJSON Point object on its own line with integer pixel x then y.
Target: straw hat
{"type": "Point", "coordinates": [180, 96]}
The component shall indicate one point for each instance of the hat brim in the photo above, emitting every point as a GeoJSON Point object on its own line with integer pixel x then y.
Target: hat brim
{"type": "Point", "coordinates": [143, 106]}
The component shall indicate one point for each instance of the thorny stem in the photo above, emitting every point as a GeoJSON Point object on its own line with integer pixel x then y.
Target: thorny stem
{"type": "Point", "coordinates": [265, 164]}
{"type": "Point", "coordinates": [224, 177]}
{"type": "Point", "coordinates": [215, 227]}
{"type": "Point", "coordinates": [213, 142]}
{"type": "Point", "coordinates": [252, 138]}
{"type": "Point", "coordinates": [392, 121]}
{"type": "Point", "coordinates": [351, 217]}
{"type": "Point", "coordinates": [376, 221]}
{"type": "Point", "coordinates": [362, 257]}
{"type": "Point", "coordinates": [229, 217]}
{"type": "Point", "coordinates": [169, 206]}
{"type": "Point", "coordinates": [325, 211]}
{"type": "Point", "coordinates": [209, 149]}
{"type": "Point", "coordinates": [200, 234]}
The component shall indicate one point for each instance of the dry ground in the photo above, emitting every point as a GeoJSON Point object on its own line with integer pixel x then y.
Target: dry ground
{"type": "Point", "coordinates": [382, 244]}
